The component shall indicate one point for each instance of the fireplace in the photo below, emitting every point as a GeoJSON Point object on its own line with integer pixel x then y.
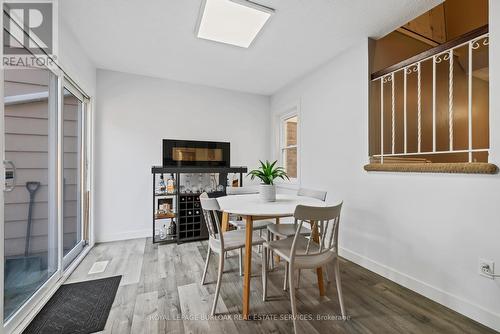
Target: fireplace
{"type": "Point", "coordinates": [195, 153]}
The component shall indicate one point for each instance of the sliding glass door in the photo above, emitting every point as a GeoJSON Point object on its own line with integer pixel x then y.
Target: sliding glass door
{"type": "Point", "coordinates": [73, 176]}
{"type": "Point", "coordinates": [30, 162]}
{"type": "Point", "coordinates": [45, 202]}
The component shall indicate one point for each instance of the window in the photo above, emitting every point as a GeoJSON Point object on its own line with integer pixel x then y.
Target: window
{"type": "Point", "coordinates": [289, 144]}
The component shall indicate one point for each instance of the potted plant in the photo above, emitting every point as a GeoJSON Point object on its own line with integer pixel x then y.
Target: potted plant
{"type": "Point", "coordinates": [267, 173]}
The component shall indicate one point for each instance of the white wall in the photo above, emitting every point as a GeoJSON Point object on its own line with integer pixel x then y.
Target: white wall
{"type": "Point", "coordinates": [135, 113]}
{"type": "Point", "coordinates": [424, 231]}
{"type": "Point", "coordinates": [75, 61]}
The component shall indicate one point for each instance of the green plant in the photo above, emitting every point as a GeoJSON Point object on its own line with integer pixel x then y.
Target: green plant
{"type": "Point", "coordinates": [267, 172]}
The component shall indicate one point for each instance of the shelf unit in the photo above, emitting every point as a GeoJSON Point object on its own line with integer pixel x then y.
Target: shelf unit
{"type": "Point", "coordinates": [187, 214]}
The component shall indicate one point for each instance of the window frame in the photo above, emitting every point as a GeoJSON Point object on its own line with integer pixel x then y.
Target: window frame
{"type": "Point", "coordinates": [287, 113]}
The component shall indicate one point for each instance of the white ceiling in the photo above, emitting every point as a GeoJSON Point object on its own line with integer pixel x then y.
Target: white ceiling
{"type": "Point", "coordinates": [157, 38]}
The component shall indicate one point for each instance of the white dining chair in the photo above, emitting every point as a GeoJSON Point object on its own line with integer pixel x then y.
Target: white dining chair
{"type": "Point", "coordinates": [287, 230]}
{"type": "Point", "coordinates": [318, 194]}
{"type": "Point", "coordinates": [220, 242]}
{"type": "Point", "coordinates": [300, 252]}
{"type": "Point", "coordinates": [246, 190]}
{"type": "Point", "coordinates": [238, 223]}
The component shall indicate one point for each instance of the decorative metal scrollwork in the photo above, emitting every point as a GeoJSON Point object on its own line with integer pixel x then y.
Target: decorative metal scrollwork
{"type": "Point", "coordinates": [443, 56]}
{"type": "Point", "coordinates": [410, 69]}
{"type": "Point", "coordinates": [478, 43]}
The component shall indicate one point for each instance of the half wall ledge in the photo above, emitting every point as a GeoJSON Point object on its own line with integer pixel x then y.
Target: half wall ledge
{"type": "Point", "coordinates": [456, 168]}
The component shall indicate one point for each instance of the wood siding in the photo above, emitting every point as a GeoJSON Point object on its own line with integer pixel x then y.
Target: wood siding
{"type": "Point", "coordinates": [27, 144]}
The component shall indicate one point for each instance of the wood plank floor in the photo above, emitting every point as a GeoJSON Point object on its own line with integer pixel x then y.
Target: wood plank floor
{"type": "Point", "coordinates": [160, 292]}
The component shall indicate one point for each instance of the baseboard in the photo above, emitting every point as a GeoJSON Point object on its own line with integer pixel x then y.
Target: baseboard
{"type": "Point", "coordinates": [125, 235]}
{"type": "Point", "coordinates": [456, 303]}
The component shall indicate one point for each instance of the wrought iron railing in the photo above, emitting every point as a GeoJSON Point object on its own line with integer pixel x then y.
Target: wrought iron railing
{"type": "Point", "coordinates": [445, 52]}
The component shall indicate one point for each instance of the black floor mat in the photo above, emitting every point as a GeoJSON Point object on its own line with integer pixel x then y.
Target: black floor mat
{"type": "Point", "coordinates": [77, 308]}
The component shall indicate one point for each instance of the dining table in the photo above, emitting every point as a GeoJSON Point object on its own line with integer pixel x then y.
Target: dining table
{"type": "Point", "coordinates": [251, 208]}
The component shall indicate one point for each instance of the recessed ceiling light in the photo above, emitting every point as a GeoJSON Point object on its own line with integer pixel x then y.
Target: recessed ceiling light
{"type": "Point", "coordinates": [235, 22]}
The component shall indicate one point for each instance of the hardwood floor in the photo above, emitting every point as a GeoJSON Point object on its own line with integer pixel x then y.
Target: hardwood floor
{"type": "Point", "coordinates": [160, 292]}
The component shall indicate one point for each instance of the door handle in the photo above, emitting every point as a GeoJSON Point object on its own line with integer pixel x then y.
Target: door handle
{"type": "Point", "coordinates": [10, 175]}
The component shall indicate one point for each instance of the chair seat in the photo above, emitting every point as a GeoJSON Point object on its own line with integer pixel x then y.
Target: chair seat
{"type": "Point", "coordinates": [257, 224]}
{"type": "Point", "coordinates": [234, 240]}
{"type": "Point", "coordinates": [283, 248]}
{"type": "Point", "coordinates": [286, 230]}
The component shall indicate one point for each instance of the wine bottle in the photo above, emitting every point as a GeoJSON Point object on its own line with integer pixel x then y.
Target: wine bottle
{"type": "Point", "coordinates": [163, 187]}
{"type": "Point", "coordinates": [171, 184]}
{"type": "Point", "coordinates": [173, 227]}
{"type": "Point", "coordinates": [163, 232]}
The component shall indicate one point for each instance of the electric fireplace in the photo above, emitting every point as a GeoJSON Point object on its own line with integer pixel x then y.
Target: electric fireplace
{"type": "Point", "coordinates": [195, 153]}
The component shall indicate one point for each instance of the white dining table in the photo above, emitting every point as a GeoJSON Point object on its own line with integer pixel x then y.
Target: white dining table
{"type": "Point", "coordinates": [251, 208]}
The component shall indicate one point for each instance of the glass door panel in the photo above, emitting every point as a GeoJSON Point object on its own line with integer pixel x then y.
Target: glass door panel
{"type": "Point", "coordinates": [31, 234]}
{"type": "Point", "coordinates": [72, 176]}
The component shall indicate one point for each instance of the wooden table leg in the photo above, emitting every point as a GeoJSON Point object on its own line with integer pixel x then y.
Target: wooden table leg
{"type": "Point", "coordinates": [277, 238]}
{"type": "Point", "coordinates": [319, 270]}
{"type": "Point", "coordinates": [225, 221]}
{"type": "Point", "coordinates": [248, 266]}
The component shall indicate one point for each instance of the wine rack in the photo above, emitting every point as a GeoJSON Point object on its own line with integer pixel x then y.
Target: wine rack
{"type": "Point", "coordinates": [190, 216]}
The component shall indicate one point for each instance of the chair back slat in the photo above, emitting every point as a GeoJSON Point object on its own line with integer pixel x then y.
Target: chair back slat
{"type": "Point", "coordinates": [323, 232]}
{"type": "Point", "coordinates": [210, 223]}
{"type": "Point", "coordinates": [208, 215]}
{"type": "Point", "coordinates": [332, 232]}
{"type": "Point", "coordinates": [318, 194]}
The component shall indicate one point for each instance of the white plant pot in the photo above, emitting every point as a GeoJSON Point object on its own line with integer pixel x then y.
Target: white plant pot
{"type": "Point", "coordinates": [268, 192]}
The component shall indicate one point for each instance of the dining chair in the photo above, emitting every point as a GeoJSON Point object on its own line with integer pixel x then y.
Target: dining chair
{"type": "Point", "coordinates": [288, 230]}
{"type": "Point", "coordinates": [219, 242]}
{"type": "Point", "coordinates": [238, 223]}
{"type": "Point", "coordinates": [242, 190]}
{"type": "Point", "coordinates": [300, 252]}
{"type": "Point", "coordinates": [318, 194]}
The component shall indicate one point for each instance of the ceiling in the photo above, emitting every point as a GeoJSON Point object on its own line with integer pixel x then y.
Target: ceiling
{"type": "Point", "coordinates": [157, 38]}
